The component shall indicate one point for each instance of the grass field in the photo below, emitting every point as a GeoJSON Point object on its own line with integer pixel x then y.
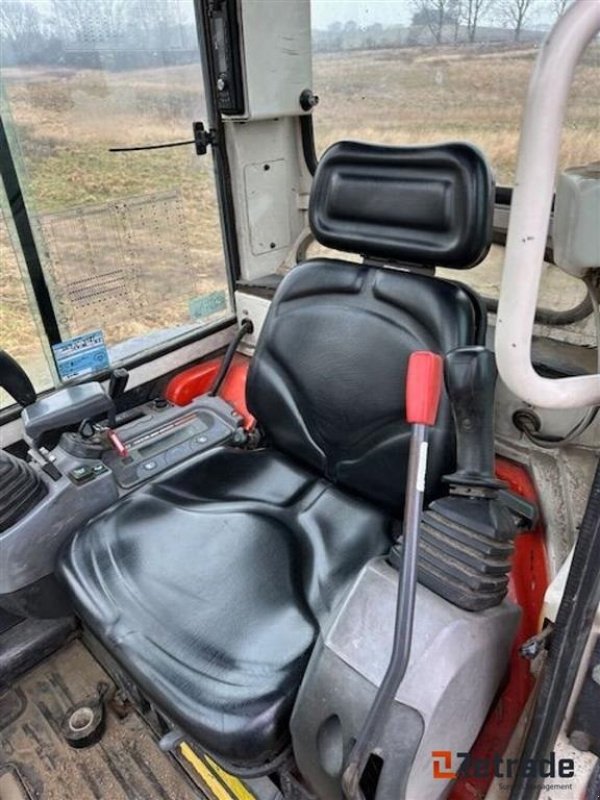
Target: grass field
{"type": "Point", "coordinates": [420, 95]}
{"type": "Point", "coordinates": [65, 121]}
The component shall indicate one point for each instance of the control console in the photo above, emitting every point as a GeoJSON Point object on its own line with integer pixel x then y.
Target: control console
{"type": "Point", "coordinates": [91, 469]}
{"type": "Point", "coordinates": [165, 435]}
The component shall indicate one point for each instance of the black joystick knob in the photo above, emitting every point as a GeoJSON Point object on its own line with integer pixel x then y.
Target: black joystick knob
{"type": "Point", "coordinates": [118, 382]}
{"type": "Point", "coordinates": [470, 375]}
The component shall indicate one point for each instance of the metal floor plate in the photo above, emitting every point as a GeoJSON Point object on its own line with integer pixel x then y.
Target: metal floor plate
{"type": "Point", "coordinates": [36, 762]}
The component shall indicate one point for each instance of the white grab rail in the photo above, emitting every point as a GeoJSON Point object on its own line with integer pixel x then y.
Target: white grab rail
{"type": "Point", "coordinates": [530, 212]}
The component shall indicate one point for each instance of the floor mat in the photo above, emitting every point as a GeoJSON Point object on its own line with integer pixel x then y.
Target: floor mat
{"type": "Point", "coordinates": [36, 762]}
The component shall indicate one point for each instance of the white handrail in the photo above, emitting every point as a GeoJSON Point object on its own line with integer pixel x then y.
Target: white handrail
{"type": "Point", "coordinates": [530, 212]}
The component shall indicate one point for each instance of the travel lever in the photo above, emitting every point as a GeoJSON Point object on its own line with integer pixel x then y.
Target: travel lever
{"type": "Point", "coordinates": [423, 387]}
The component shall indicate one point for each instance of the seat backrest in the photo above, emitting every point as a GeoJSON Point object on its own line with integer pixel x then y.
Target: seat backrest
{"type": "Point", "coordinates": [327, 379]}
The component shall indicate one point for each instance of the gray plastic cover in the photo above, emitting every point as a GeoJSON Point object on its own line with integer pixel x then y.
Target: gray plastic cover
{"type": "Point", "coordinates": [65, 407]}
{"type": "Point", "coordinates": [576, 232]}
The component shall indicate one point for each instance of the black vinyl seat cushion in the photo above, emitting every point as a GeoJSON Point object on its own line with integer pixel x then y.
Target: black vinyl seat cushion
{"type": "Point", "coordinates": [210, 587]}
{"type": "Point", "coordinates": [327, 381]}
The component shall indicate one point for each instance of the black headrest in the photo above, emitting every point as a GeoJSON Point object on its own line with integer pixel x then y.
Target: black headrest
{"type": "Point", "coordinates": [429, 206]}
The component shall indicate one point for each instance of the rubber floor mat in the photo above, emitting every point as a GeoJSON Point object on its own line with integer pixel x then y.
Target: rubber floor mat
{"type": "Point", "coordinates": [37, 763]}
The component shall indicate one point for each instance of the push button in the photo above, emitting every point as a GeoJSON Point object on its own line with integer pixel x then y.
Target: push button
{"type": "Point", "coordinates": [81, 474]}
{"type": "Point", "coordinates": [84, 473]}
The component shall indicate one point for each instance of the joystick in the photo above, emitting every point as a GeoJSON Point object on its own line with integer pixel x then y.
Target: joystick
{"type": "Point", "coordinates": [467, 538]}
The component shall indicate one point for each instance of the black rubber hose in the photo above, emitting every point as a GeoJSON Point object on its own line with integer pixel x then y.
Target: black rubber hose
{"type": "Point", "coordinates": [246, 326]}
{"type": "Point", "coordinates": [574, 622]}
{"type": "Point", "coordinates": [547, 316]}
{"type": "Point", "coordinates": [15, 380]}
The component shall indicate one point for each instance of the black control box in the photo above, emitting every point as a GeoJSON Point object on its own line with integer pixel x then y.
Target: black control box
{"type": "Point", "coordinates": [165, 435]}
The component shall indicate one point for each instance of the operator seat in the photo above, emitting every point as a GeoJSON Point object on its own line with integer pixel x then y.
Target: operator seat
{"type": "Point", "coordinates": [210, 586]}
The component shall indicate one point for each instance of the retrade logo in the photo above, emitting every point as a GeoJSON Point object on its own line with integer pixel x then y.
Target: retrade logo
{"type": "Point", "coordinates": [496, 766]}
{"type": "Point", "coordinates": [442, 765]}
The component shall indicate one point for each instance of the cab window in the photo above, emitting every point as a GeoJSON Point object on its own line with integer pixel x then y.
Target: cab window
{"type": "Point", "coordinates": [129, 239]}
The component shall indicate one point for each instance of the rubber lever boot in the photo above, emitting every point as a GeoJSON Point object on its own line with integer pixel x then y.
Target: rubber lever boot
{"type": "Point", "coordinates": [470, 374]}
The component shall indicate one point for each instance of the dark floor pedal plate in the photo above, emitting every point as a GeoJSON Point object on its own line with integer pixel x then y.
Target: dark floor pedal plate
{"type": "Point", "coordinates": [36, 762]}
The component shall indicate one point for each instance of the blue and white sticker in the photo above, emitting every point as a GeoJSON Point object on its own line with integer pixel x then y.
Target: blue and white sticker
{"type": "Point", "coordinates": [83, 355]}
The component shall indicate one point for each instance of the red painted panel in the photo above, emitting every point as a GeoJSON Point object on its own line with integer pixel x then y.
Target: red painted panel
{"type": "Point", "coordinates": [528, 583]}
{"type": "Point", "coordinates": [193, 382]}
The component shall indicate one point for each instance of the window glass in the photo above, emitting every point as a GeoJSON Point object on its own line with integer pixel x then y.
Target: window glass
{"type": "Point", "coordinates": [418, 72]}
{"type": "Point", "coordinates": [19, 333]}
{"type": "Point", "coordinates": [558, 290]}
{"type": "Point", "coordinates": [425, 71]}
{"type": "Point", "coordinates": [130, 241]}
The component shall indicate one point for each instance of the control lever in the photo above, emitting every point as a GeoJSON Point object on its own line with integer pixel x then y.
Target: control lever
{"type": "Point", "coordinates": [118, 382]}
{"type": "Point", "coordinates": [116, 387]}
{"type": "Point", "coordinates": [467, 538]}
{"type": "Point", "coordinates": [423, 387]}
{"type": "Point", "coordinates": [117, 444]}
{"type": "Point", "coordinates": [470, 374]}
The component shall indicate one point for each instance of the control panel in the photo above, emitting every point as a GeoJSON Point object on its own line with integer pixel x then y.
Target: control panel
{"type": "Point", "coordinates": [164, 435]}
{"type": "Point", "coordinates": [95, 466]}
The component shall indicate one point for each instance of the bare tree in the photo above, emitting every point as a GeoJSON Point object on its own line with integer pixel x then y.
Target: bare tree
{"type": "Point", "coordinates": [86, 23]}
{"type": "Point", "coordinates": [559, 7]}
{"type": "Point", "coordinates": [472, 12]}
{"type": "Point", "coordinates": [18, 21]}
{"type": "Point", "coordinates": [23, 33]}
{"type": "Point", "coordinates": [515, 13]}
{"type": "Point", "coordinates": [434, 14]}
{"type": "Point", "coordinates": [457, 11]}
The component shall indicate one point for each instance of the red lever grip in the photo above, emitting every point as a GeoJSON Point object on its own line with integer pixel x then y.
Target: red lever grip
{"type": "Point", "coordinates": [423, 387]}
{"type": "Point", "coordinates": [116, 443]}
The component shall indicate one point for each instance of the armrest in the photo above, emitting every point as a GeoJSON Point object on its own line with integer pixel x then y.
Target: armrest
{"type": "Point", "coordinates": [64, 408]}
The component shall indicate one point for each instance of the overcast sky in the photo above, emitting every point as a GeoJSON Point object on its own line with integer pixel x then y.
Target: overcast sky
{"type": "Point", "coordinates": [363, 12]}
{"type": "Point", "coordinates": [394, 12]}
{"type": "Point", "coordinates": [325, 12]}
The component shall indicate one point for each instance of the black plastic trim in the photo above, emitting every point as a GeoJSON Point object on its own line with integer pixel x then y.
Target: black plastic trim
{"type": "Point", "coordinates": [29, 642]}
